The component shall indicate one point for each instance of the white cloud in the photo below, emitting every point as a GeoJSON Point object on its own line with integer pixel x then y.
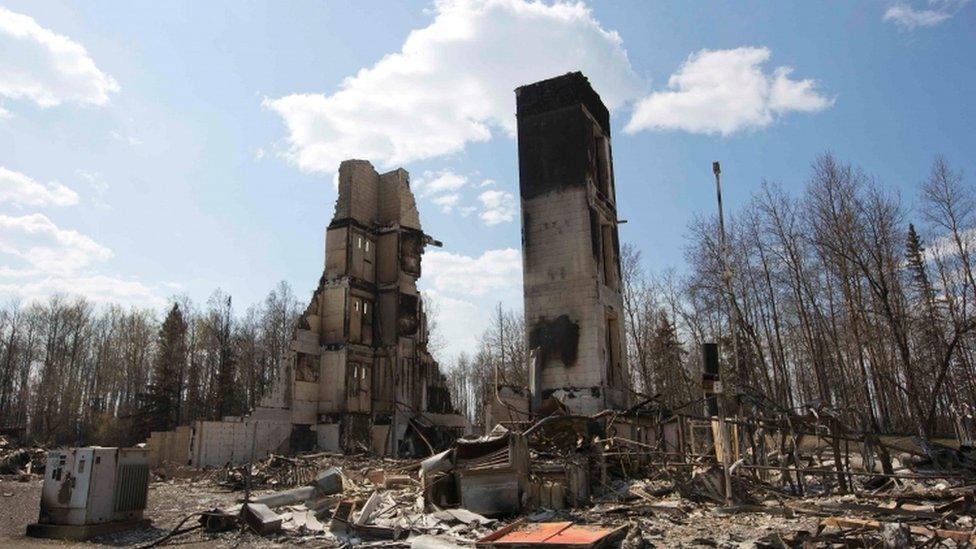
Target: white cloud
{"type": "Point", "coordinates": [42, 245]}
{"type": "Point", "coordinates": [452, 83]}
{"type": "Point", "coordinates": [56, 261]}
{"type": "Point", "coordinates": [723, 92]}
{"type": "Point", "coordinates": [130, 140]}
{"type": "Point", "coordinates": [493, 270]}
{"type": "Point", "coordinates": [259, 153]}
{"type": "Point", "coordinates": [46, 68]}
{"type": "Point", "coordinates": [9, 272]}
{"type": "Point", "coordinates": [909, 18]}
{"type": "Point", "coordinates": [5, 114]}
{"type": "Point", "coordinates": [465, 211]}
{"type": "Point", "coordinates": [459, 321]}
{"type": "Point", "coordinates": [464, 287]}
{"type": "Point", "coordinates": [98, 186]}
{"type": "Point", "coordinates": [38, 258]}
{"type": "Point", "coordinates": [497, 207]}
{"type": "Point", "coordinates": [447, 202]}
{"type": "Point", "coordinates": [94, 288]}
{"type": "Point", "coordinates": [20, 189]}
{"type": "Point", "coordinates": [441, 187]}
{"type": "Point", "coordinates": [439, 182]}
{"type": "Point", "coordinates": [945, 247]}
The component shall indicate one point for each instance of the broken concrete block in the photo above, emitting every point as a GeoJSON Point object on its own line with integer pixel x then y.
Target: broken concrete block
{"type": "Point", "coordinates": [329, 482]}
{"type": "Point", "coordinates": [288, 497]}
{"type": "Point", "coordinates": [462, 516]}
{"type": "Point", "coordinates": [263, 520]}
{"type": "Point", "coordinates": [302, 520]}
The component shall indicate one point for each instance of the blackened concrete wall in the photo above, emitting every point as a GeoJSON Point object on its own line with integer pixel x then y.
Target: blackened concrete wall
{"type": "Point", "coordinates": [570, 249]}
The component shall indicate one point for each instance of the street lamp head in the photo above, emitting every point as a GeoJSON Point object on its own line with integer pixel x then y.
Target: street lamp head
{"type": "Point", "coordinates": [715, 168]}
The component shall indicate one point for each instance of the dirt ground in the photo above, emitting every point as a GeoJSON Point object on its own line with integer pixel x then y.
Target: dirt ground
{"type": "Point", "coordinates": [168, 503]}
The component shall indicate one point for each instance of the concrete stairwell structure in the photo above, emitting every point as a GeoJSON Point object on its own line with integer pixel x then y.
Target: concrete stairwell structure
{"type": "Point", "coordinates": [363, 376]}
{"type": "Point", "coordinates": [570, 249]}
{"type": "Point", "coordinates": [358, 375]}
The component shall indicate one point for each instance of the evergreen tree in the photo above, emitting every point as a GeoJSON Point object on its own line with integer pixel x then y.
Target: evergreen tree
{"type": "Point", "coordinates": [162, 407]}
{"type": "Point", "coordinates": [225, 388]}
{"type": "Point", "coordinates": [932, 345]}
{"type": "Point", "coordinates": [915, 259]}
{"type": "Point", "coordinates": [928, 309]}
{"type": "Point", "coordinates": [666, 353]}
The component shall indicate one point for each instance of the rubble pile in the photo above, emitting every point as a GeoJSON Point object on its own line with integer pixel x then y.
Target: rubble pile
{"type": "Point", "coordinates": [356, 500]}
{"type": "Point", "coordinates": [19, 460]}
{"type": "Point", "coordinates": [573, 481]}
{"type": "Point", "coordinates": [273, 472]}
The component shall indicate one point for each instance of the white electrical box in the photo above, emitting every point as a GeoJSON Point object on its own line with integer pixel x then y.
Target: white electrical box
{"type": "Point", "coordinates": [94, 485]}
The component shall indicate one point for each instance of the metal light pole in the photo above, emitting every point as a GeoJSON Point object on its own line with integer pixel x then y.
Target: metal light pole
{"type": "Point", "coordinates": [727, 276]}
{"type": "Point", "coordinates": [727, 270]}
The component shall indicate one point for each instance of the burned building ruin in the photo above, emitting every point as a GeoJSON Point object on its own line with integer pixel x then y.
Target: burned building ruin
{"type": "Point", "coordinates": [570, 249]}
{"type": "Point", "coordinates": [358, 375]}
{"type": "Point", "coordinates": [363, 376]}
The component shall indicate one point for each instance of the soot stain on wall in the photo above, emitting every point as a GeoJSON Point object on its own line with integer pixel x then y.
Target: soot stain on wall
{"type": "Point", "coordinates": [556, 338]}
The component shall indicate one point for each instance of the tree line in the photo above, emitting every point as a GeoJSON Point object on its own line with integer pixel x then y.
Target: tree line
{"type": "Point", "coordinates": [72, 372]}
{"type": "Point", "coordinates": [842, 299]}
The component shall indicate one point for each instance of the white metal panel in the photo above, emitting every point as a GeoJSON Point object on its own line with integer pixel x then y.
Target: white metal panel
{"type": "Point", "coordinates": [101, 484]}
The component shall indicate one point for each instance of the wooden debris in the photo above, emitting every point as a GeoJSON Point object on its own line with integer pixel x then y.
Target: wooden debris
{"type": "Point", "coordinates": [862, 524]}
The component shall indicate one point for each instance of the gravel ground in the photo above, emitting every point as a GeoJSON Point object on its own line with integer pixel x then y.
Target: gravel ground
{"type": "Point", "coordinates": [168, 503]}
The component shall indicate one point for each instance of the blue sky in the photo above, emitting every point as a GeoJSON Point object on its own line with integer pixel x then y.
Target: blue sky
{"type": "Point", "coordinates": [149, 149]}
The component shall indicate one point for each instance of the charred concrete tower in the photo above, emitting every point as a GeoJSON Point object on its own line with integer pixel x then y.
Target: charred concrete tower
{"type": "Point", "coordinates": [363, 376]}
{"type": "Point", "coordinates": [570, 249]}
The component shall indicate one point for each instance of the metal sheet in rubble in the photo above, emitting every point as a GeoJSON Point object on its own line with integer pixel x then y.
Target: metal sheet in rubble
{"type": "Point", "coordinates": [549, 535]}
{"type": "Point", "coordinates": [534, 533]}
